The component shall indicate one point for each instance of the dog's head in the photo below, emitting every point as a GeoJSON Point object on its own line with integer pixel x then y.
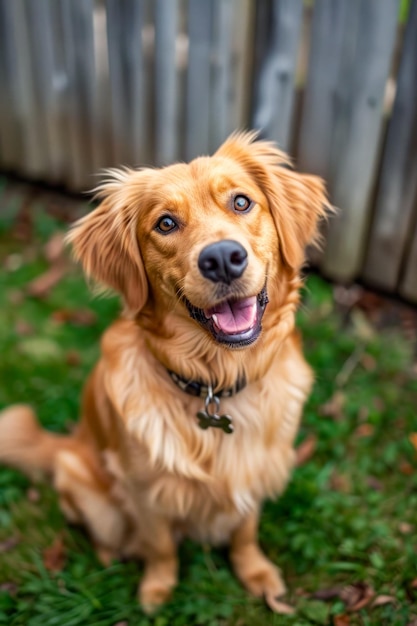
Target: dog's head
{"type": "Point", "coordinates": [208, 239]}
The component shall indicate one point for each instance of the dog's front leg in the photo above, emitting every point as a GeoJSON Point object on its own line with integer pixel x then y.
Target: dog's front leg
{"type": "Point", "coordinates": [159, 551]}
{"type": "Point", "coordinates": [252, 567]}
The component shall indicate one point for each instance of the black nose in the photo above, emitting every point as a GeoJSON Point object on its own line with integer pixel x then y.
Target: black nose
{"type": "Point", "coordinates": [223, 261]}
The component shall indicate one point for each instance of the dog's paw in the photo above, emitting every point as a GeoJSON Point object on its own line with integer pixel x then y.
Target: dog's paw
{"type": "Point", "coordinates": [261, 578]}
{"type": "Point", "coordinates": [152, 595]}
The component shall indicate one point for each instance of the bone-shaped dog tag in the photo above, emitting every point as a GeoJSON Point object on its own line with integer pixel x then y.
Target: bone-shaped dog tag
{"type": "Point", "coordinates": [206, 419]}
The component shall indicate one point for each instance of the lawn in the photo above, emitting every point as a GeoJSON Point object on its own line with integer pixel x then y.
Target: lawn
{"type": "Point", "coordinates": [344, 532]}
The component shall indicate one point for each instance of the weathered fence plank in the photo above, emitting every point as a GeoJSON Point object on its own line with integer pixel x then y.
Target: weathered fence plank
{"type": "Point", "coordinates": [274, 102]}
{"type": "Point", "coordinates": [11, 149]}
{"type": "Point", "coordinates": [397, 188]}
{"type": "Point", "coordinates": [319, 111]}
{"type": "Point", "coordinates": [77, 18]}
{"type": "Point", "coordinates": [166, 82]}
{"type": "Point", "coordinates": [26, 102]}
{"type": "Point", "coordinates": [200, 15]}
{"type": "Point", "coordinates": [367, 36]}
{"type": "Point", "coordinates": [408, 286]}
{"type": "Point", "coordinates": [129, 100]}
{"type": "Point", "coordinates": [221, 86]}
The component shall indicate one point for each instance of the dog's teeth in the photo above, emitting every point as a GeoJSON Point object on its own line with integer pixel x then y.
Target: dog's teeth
{"type": "Point", "coordinates": [214, 318]}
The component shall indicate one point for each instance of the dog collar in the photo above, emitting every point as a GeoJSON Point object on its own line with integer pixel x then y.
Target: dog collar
{"type": "Point", "coordinates": [199, 389]}
{"type": "Point", "coordinates": [210, 415]}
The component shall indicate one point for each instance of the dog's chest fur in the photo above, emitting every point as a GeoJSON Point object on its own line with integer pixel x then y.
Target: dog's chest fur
{"type": "Point", "coordinates": [205, 481]}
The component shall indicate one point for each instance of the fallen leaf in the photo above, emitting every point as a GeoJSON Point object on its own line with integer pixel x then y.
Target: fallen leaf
{"type": "Point", "coordinates": [8, 544]}
{"type": "Point", "coordinates": [73, 358]}
{"type": "Point", "coordinates": [54, 557]}
{"type": "Point", "coordinates": [364, 430]}
{"type": "Point", "coordinates": [374, 483]}
{"type": "Point", "coordinates": [406, 468]}
{"type": "Point", "coordinates": [305, 450]}
{"type": "Point", "coordinates": [357, 596]}
{"type": "Point", "coordinates": [405, 528]}
{"type": "Point", "coordinates": [327, 594]}
{"type": "Point", "coordinates": [121, 624]}
{"type": "Point", "coordinates": [54, 248]}
{"type": "Point", "coordinates": [33, 495]}
{"type": "Point", "coordinates": [23, 328]}
{"type": "Point", "coordinates": [381, 600]}
{"type": "Point", "coordinates": [368, 362]}
{"type": "Point", "coordinates": [340, 482]}
{"type": "Point", "coordinates": [9, 587]}
{"type": "Point", "coordinates": [413, 439]}
{"type": "Point", "coordinates": [341, 620]}
{"type": "Point", "coordinates": [42, 285]}
{"type": "Point", "coordinates": [334, 407]}
{"type": "Point", "coordinates": [413, 584]}
{"type": "Point", "coordinates": [79, 317]}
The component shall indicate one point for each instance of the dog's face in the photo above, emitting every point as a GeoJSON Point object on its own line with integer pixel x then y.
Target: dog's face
{"type": "Point", "coordinates": [208, 239]}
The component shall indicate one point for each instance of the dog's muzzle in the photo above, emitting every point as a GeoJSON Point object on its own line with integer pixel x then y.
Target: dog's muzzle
{"type": "Point", "coordinates": [236, 323]}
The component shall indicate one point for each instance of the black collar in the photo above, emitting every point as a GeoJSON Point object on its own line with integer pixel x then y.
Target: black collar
{"type": "Point", "coordinates": [201, 390]}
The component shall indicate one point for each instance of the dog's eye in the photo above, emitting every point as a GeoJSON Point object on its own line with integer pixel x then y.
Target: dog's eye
{"type": "Point", "coordinates": [166, 224]}
{"type": "Point", "coordinates": [241, 203]}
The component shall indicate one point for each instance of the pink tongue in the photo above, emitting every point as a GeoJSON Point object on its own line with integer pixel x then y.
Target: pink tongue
{"type": "Point", "coordinates": [235, 317]}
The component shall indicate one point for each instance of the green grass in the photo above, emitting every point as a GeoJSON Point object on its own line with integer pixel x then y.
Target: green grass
{"type": "Point", "coordinates": [340, 522]}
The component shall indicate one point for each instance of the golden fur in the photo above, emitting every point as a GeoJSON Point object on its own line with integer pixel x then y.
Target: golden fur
{"type": "Point", "coordinates": [138, 471]}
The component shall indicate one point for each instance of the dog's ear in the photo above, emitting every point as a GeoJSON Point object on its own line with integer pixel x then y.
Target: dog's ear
{"type": "Point", "coordinates": [105, 241]}
{"type": "Point", "coordinates": [297, 201]}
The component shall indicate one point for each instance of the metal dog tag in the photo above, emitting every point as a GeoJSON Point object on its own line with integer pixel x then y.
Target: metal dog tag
{"type": "Point", "coordinates": [206, 418]}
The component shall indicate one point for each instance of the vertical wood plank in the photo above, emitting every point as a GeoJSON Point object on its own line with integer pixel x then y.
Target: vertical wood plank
{"type": "Point", "coordinates": [408, 286]}
{"type": "Point", "coordinates": [243, 39]}
{"type": "Point", "coordinates": [166, 82]}
{"type": "Point", "coordinates": [26, 98]}
{"type": "Point", "coordinates": [125, 23]}
{"type": "Point", "coordinates": [48, 85]}
{"type": "Point", "coordinates": [355, 102]}
{"type": "Point", "coordinates": [397, 188]}
{"type": "Point", "coordinates": [200, 14]}
{"type": "Point", "coordinates": [77, 16]}
{"type": "Point", "coordinates": [221, 88]}
{"type": "Point", "coordinates": [11, 147]}
{"type": "Point", "coordinates": [273, 111]}
{"type": "Point", "coordinates": [319, 110]}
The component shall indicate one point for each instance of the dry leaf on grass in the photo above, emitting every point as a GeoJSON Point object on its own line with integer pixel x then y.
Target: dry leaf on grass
{"type": "Point", "coordinates": [334, 407]}
{"type": "Point", "coordinates": [55, 247]}
{"type": "Point", "coordinates": [54, 557]}
{"type": "Point", "coordinates": [413, 439]}
{"type": "Point", "coordinates": [382, 599]}
{"type": "Point", "coordinates": [327, 594]}
{"type": "Point", "coordinates": [8, 544]}
{"type": "Point", "coordinates": [42, 285]}
{"type": "Point", "coordinates": [10, 588]}
{"type": "Point", "coordinates": [341, 620]}
{"type": "Point", "coordinates": [79, 317]}
{"type": "Point", "coordinates": [405, 528]}
{"type": "Point", "coordinates": [357, 596]}
{"type": "Point", "coordinates": [305, 450]}
{"type": "Point", "coordinates": [364, 430]}
{"type": "Point", "coordinates": [33, 495]}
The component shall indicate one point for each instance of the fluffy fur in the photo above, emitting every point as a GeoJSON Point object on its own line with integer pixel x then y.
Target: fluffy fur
{"type": "Point", "coordinates": [138, 471]}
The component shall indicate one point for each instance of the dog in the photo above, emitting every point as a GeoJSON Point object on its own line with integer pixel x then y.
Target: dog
{"type": "Point", "coordinates": [189, 418]}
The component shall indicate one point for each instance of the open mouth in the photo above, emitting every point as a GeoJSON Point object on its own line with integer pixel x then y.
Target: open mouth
{"type": "Point", "coordinates": [234, 322]}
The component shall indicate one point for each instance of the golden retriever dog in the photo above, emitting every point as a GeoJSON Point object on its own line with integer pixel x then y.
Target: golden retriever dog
{"type": "Point", "coordinates": [188, 419]}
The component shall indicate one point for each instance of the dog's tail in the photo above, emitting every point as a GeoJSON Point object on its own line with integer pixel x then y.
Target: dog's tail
{"type": "Point", "coordinates": [25, 445]}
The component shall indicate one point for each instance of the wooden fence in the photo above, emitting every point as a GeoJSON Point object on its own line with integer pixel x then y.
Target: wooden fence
{"type": "Point", "coordinates": [87, 84]}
